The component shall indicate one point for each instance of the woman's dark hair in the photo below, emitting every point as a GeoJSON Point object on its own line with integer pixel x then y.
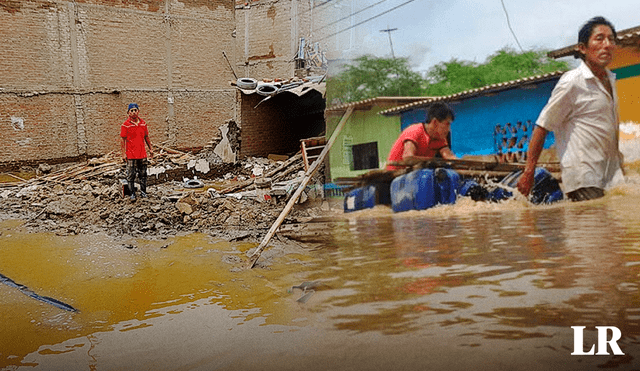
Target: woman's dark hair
{"type": "Point", "coordinates": [440, 111]}
{"type": "Point", "coordinates": [587, 29]}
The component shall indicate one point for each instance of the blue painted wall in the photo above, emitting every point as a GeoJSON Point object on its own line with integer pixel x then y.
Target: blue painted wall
{"type": "Point", "coordinates": [476, 118]}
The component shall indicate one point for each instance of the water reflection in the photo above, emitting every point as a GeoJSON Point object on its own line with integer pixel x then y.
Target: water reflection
{"type": "Point", "coordinates": [121, 286]}
{"type": "Point", "coordinates": [522, 272]}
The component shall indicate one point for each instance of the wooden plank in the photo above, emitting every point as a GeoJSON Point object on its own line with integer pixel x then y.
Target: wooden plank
{"type": "Point", "coordinates": [322, 138]}
{"type": "Point", "coordinates": [15, 177]}
{"type": "Point", "coordinates": [304, 156]}
{"type": "Point", "coordinates": [470, 165]}
{"type": "Point", "coordinates": [315, 148]}
{"type": "Point", "coordinates": [170, 150]}
{"type": "Point", "coordinates": [285, 164]}
{"type": "Point", "coordinates": [11, 184]}
{"type": "Point", "coordinates": [463, 167]}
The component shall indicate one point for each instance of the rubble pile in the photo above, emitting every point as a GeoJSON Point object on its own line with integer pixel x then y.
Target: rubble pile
{"type": "Point", "coordinates": [241, 203]}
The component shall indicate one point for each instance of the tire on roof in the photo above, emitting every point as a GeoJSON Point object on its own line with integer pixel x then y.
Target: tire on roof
{"type": "Point", "coordinates": [267, 90]}
{"type": "Point", "coordinates": [247, 83]}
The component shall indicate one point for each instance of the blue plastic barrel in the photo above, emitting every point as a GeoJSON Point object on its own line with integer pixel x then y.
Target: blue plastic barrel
{"type": "Point", "coordinates": [499, 194]}
{"type": "Point", "coordinates": [423, 189]}
{"type": "Point", "coordinates": [413, 191]}
{"type": "Point", "coordinates": [545, 190]}
{"type": "Point", "coordinates": [366, 197]}
{"type": "Point", "coordinates": [447, 182]}
{"type": "Point", "coordinates": [471, 188]}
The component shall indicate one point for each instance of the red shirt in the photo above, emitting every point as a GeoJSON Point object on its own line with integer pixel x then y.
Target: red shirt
{"type": "Point", "coordinates": [134, 136]}
{"type": "Point", "coordinates": [426, 147]}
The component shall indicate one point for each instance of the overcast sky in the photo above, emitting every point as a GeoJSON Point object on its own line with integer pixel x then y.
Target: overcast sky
{"type": "Point", "coordinates": [433, 31]}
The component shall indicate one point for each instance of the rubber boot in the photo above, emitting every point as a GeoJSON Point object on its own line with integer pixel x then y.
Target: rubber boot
{"type": "Point", "coordinates": [132, 189]}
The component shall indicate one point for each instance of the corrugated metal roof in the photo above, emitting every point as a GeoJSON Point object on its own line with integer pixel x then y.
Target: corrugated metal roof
{"type": "Point", "coordinates": [475, 92]}
{"type": "Point", "coordinates": [368, 102]}
{"type": "Point", "coordinates": [628, 37]}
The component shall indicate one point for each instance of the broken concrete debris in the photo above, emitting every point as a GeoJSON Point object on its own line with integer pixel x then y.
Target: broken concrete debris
{"type": "Point", "coordinates": [232, 201]}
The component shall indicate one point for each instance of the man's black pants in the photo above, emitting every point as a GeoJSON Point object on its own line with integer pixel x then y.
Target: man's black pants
{"type": "Point", "coordinates": [137, 167]}
{"type": "Point", "coordinates": [585, 194]}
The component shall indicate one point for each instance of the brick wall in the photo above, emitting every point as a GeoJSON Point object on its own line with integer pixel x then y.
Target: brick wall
{"type": "Point", "coordinates": [275, 126]}
{"type": "Point", "coordinates": [69, 69]}
{"type": "Point", "coordinates": [36, 126]}
{"type": "Point", "coordinates": [269, 31]}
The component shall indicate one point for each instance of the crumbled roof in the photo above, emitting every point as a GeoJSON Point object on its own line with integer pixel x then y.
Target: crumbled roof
{"type": "Point", "coordinates": [476, 92]}
{"type": "Point", "coordinates": [628, 37]}
{"type": "Point", "coordinates": [372, 101]}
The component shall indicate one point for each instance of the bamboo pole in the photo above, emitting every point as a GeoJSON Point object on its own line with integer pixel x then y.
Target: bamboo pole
{"type": "Point", "coordinates": [316, 164]}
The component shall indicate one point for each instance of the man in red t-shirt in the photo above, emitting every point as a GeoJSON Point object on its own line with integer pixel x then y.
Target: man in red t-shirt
{"type": "Point", "coordinates": [134, 134]}
{"type": "Point", "coordinates": [425, 140]}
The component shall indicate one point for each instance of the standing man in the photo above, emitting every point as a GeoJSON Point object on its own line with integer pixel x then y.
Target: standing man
{"type": "Point", "coordinates": [425, 140]}
{"type": "Point", "coordinates": [134, 135]}
{"type": "Point", "coordinates": [583, 114]}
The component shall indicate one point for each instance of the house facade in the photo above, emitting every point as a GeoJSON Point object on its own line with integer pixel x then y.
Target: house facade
{"type": "Point", "coordinates": [479, 111]}
{"type": "Point", "coordinates": [366, 138]}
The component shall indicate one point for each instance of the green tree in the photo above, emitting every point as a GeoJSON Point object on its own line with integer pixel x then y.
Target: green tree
{"type": "Point", "coordinates": [504, 65]}
{"type": "Point", "coordinates": [370, 77]}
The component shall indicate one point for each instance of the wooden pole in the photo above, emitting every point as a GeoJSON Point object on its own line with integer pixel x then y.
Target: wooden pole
{"type": "Point", "coordinates": [16, 177]}
{"type": "Point", "coordinates": [307, 177]}
{"type": "Point", "coordinates": [170, 150]}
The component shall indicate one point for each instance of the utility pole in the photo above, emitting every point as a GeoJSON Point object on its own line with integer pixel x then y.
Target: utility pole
{"type": "Point", "coordinates": [388, 31]}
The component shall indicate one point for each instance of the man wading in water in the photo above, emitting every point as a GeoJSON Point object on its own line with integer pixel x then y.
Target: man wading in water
{"type": "Point", "coordinates": [583, 113]}
{"type": "Point", "coordinates": [134, 135]}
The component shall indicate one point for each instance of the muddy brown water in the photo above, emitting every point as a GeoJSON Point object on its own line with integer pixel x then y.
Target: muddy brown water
{"type": "Point", "coordinates": [466, 287]}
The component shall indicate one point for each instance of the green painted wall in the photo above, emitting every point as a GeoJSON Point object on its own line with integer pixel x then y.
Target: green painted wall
{"type": "Point", "coordinates": [358, 130]}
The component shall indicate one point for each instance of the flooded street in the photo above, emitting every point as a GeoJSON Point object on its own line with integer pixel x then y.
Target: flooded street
{"type": "Point", "coordinates": [470, 286]}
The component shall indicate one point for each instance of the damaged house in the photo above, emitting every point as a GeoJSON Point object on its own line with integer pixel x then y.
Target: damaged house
{"type": "Point", "coordinates": [69, 69]}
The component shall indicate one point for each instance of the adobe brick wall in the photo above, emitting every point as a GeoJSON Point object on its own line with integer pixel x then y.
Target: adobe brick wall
{"type": "Point", "coordinates": [37, 126]}
{"type": "Point", "coordinates": [264, 133]}
{"type": "Point", "coordinates": [68, 69]}
{"type": "Point", "coordinates": [272, 127]}
{"type": "Point", "coordinates": [269, 31]}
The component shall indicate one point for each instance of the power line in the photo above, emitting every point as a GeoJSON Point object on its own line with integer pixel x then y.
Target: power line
{"type": "Point", "coordinates": [509, 24]}
{"type": "Point", "coordinates": [368, 19]}
{"type": "Point", "coordinates": [354, 13]}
